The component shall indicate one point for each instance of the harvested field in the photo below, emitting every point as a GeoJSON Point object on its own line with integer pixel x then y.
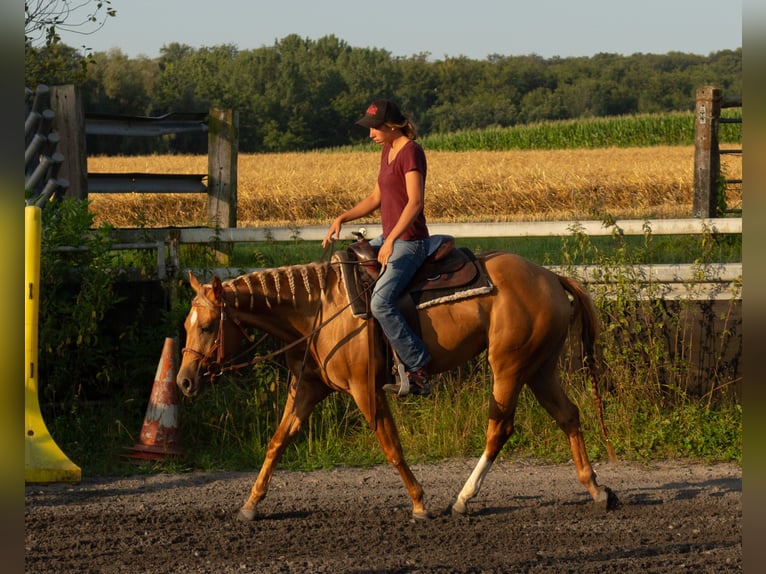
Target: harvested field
{"type": "Point", "coordinates": [311, 188]}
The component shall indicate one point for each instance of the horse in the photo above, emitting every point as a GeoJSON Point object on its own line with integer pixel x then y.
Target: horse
{"type": "Point", "coordinates": [522, 322]}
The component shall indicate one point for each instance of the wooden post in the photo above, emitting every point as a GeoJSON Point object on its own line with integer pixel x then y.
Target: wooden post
{"type": "Point", "coordinates": [223, 147]}
{"type": "Point", "coordinates": [69, 123]}
{"type": "Point", "coordinates": [707, 161]}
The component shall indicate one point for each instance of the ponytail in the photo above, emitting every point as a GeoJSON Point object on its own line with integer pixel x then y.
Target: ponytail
{"type": "Point", "coordinates": [407, 128]}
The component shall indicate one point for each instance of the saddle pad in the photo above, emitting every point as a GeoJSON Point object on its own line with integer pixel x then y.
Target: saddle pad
{"type": "Point", "coordinates": [356, 283]}
{"type": "Point", "coordinates": [481, 285]}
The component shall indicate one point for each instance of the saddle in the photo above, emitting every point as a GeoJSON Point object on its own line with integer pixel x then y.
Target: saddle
{"type": "Point", "coordinates": [448, 274]}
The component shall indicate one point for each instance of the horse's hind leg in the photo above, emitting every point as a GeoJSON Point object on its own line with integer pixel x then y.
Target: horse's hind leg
{"type": "Point", "coordinates": [298, 407]}
{"type": "Point", "coordinates": [548, 391]}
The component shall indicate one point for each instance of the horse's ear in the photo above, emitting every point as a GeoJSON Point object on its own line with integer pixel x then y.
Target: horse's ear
{"type": "Point", "coordinates": [194, 282]}
{"type": "Point", "coordinates": [217, 287]}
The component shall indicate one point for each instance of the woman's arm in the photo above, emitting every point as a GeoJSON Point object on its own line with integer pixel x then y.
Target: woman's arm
{"type": "Point", "coordinates": [364, 207]}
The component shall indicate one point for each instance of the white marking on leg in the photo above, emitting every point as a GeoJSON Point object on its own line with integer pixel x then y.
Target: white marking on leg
{"type": "Point", "coordinates": [473, 484]}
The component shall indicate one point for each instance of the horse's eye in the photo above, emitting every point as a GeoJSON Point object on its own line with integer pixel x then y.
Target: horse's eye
{"type": "Point", "coordinates": [209, 328]}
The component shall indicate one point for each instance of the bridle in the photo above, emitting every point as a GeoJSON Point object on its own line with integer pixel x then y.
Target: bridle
{"type": "Point", "coordinates": [216, 368]}
{"type": "Point", "coordinates": [219, 366]}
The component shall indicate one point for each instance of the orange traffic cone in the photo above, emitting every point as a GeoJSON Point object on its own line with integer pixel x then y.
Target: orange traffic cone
{"type": "Point", "coordinates": [159, 433]}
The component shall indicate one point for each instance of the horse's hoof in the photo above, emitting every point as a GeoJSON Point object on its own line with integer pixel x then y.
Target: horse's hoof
{"type": "Point", "coordinates": [246, 515]}
{"type": "Point", "coordinates": [612, 502]}
{"type": "Point", "coordinates": [606, 500]}
{"type": "Point", "coordinates": [424, 515]}
{"type": "Point", "coordinates": [459, 509]}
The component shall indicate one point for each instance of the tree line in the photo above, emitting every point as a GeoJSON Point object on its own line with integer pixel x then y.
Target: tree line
{"type": "Point", "coordinates": [302, 94]}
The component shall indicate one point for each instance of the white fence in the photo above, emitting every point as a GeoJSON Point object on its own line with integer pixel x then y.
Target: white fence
{"type": "Point", "coordinates": [673, 281]}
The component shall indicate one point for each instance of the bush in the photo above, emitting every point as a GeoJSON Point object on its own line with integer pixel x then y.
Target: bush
{"type": "Point", "coordinates": [98, 349]}
{"type": "Point", "coordinates": [76, 292]}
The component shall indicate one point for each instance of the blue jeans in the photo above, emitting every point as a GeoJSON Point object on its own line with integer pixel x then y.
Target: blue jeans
{"type": "Point", "coordinates": [406, 259]}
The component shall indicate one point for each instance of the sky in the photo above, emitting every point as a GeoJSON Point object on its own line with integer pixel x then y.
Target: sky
{"type": "Point", "coordinates": [441, 28]}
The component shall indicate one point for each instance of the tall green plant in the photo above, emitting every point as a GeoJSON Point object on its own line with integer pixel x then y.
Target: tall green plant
{"type": "Point", "coordinates": [655, 355]}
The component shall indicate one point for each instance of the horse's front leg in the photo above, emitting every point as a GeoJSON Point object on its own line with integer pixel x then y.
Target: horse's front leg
{"type": "Point", "coordinates": [388, 437]}
{"type": "Point", "coordinates": [298, 407]}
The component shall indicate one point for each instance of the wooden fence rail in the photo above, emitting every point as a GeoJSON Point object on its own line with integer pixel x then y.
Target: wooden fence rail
{"type": "Point", "coordinates": [220, 125]}
{"type": "Point", "coordinates": [714, 281]}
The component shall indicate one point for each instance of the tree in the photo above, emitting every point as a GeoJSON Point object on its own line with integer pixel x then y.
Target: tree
{"type": "Point", "coordinates": [43, 18]}
{"type": "Point", "coordinates": [301, 94]}
{"type": "Point", "coordinates": [53, 64]}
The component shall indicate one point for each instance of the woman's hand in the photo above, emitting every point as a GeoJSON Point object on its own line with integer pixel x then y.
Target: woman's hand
{"type": "Point", "coordinates": [333, 232]}
{"type": "Point", "coordinates": [364, 207]}
{"type": "Point", "coordinates": [385, 253]}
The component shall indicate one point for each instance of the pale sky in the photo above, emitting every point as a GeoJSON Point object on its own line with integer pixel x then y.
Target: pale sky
{"type": "Point", "coordinates": [442, 28]}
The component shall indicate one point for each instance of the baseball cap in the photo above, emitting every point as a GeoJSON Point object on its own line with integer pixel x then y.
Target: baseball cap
{"type": "Point", "coordinates": [380, 112]}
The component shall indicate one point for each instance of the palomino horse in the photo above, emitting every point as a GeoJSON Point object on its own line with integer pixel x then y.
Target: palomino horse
{"type": "Point", "coordinates": [523, 322]}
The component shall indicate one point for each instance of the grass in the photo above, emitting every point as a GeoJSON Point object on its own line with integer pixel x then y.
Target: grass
{"type": "Point", "coordinates": [543, 250]}
{"type": "Point", "coordinates": [229, 427]}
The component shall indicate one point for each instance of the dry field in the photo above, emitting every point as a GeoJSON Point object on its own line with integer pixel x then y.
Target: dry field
{"type": "Point", "coordinates": [311, 188]}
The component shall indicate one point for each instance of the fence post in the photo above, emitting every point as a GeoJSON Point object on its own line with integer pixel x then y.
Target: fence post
{"type": "Point", "coordinates": [69, 122]}
{"type": "Point", "coordinates": [707, 161]}
{"type": "Point", "coordinates": [223, 148]}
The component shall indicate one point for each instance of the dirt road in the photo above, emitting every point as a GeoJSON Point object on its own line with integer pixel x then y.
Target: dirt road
{"type": "Point", "coordinates": [675, 516]}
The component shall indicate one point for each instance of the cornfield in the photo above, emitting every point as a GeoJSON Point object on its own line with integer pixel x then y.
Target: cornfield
{"type": "Point", "coordinates": [673, 129]}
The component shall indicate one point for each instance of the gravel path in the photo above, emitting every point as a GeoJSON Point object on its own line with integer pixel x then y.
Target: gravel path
{"type": "Point", "coordinates": [675, 516]}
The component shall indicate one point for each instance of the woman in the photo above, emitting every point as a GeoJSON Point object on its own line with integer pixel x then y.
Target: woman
{"type": "Point", "coordinates": [403, 246]}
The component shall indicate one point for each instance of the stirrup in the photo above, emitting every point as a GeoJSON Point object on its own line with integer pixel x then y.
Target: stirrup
{"type": "Point", "coordinates": [404, 388]}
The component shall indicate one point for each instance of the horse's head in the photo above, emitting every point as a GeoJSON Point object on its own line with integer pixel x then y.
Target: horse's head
{"type": "Point", "coordinates": [211, 337]}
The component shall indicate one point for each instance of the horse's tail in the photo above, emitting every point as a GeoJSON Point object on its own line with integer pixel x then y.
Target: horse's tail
{"type": "Point", "coordinates": [588, 316]}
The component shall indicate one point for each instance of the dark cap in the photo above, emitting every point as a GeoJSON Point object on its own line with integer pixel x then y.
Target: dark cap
{"type": "Point", "coordinates": [380, 112]}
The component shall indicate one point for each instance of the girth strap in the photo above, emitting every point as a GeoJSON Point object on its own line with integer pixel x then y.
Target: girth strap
{"type": "Point", "coordinates": [371, 371]}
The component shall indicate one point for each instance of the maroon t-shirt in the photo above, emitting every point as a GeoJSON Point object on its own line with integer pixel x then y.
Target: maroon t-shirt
{"type": "Point", "coordinates": [393, 188]}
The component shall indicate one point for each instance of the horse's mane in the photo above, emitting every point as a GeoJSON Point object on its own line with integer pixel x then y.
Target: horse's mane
{"type": "Point", "coordinates": [310, 279]}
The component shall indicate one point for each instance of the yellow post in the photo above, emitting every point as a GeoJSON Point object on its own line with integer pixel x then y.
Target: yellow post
{"type": "Point", "coordinates": [44, 460]}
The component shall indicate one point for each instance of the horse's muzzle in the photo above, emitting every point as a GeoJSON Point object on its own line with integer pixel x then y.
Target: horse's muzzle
{"type": "Point", "coordinates": [189, 387]}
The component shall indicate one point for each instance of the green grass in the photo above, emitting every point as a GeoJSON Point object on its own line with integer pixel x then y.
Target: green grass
{"type": "Point", "coordinates": [542, 250]}
{"type": "Point", "coordinates": [228, 428]}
